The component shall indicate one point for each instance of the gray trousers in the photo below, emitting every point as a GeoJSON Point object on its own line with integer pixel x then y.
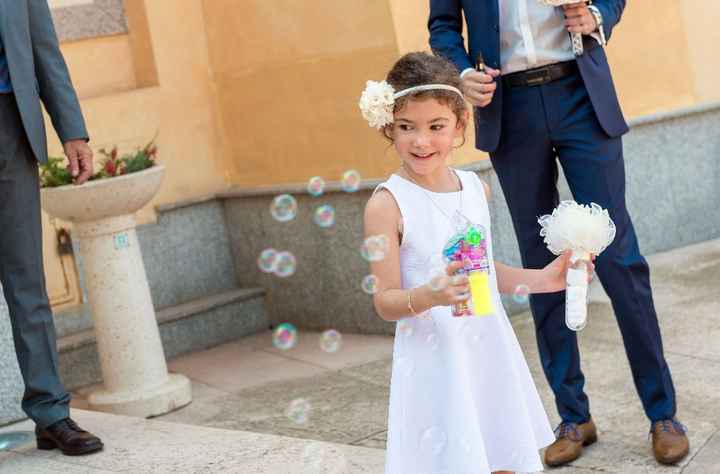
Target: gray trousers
{"type": "Point", "coordinates": [22, 276]}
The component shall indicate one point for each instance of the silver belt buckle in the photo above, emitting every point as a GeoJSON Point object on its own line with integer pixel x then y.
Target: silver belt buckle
{"type": "Point", "coordinates": [536, 78]}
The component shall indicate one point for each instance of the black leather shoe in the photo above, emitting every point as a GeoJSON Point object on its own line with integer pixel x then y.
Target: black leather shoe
{"type": "Point", "coordinates": [68, 437]}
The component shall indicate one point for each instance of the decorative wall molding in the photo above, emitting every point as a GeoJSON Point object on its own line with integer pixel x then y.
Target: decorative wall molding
{"type": "Point", "coordinates": [81, 19]}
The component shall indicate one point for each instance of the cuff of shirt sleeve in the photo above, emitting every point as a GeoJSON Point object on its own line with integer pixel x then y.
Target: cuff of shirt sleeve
{"type": "Point", "coordinates": [598, 34]}
{"type": "Point", "coordinates": [465, 71]}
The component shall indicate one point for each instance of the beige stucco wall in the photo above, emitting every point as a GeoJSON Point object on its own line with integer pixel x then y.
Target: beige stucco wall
{"type": "Point", "coordinates": [257, 93]}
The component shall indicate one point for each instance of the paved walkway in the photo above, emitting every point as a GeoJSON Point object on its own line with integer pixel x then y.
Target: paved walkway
{"type": "Point", "coordinates": [338, 420]}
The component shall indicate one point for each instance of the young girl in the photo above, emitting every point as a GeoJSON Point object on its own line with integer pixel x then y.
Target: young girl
{"type": "Point", "coordinates": [462, 400]}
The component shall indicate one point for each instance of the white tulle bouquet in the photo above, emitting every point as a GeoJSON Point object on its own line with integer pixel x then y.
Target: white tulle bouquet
{"type": "Point", "coordinates": [584, 231]}
{"type": "Point", "coordinates": [576, 38]}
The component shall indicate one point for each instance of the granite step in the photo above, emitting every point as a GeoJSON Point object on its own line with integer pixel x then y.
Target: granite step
{"type": "Point", "coordinates": [194, 325]}
{"type": "Point", "coordinates": [152, 446]}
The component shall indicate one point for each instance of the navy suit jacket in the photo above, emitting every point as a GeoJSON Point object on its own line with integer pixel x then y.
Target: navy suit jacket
{"type": "Point", "coordinates": [38, 72]}
{"type": "Point", "coordinates": [482, 19]}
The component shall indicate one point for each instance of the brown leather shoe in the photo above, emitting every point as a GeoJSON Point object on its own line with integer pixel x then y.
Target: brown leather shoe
{"type": "Point", "coordinates": [571, 437]}
{"type": "Point", "coordinates": [68, 437]}
{"type": "Point", "coordinates": [669, 441]}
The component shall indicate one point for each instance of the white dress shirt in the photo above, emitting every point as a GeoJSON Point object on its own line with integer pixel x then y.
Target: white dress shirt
{"type": "Point", "coordinates": [532, 34]}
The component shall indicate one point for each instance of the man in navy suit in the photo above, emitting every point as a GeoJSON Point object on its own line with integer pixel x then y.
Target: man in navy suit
{"type": "Point", "coordinates": [536, 103]}
{"type": "Point", "coordinates": [32, 70]}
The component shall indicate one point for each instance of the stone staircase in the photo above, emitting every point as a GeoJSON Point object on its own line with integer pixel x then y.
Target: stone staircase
{"type": "Point", "coordinates": [192, 277]}
{"type": "Point", "coordinates": [194, 325]}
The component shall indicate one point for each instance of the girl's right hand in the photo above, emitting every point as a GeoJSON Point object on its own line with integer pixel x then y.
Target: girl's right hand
{"type": "Point", "coordinates": [456, 290]}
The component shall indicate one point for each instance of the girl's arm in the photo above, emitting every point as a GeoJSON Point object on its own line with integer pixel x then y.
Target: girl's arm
{"type": "Point", "coordinates": [382, 216]}
{"type": "Point", "coordinates": [548, 280]}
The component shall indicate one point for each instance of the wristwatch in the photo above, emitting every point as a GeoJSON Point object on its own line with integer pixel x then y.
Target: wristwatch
{"type": "Point", "coordinates": [599, 21]}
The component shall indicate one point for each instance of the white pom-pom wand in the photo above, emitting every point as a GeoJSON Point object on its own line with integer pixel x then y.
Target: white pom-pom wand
{"type": "Point", "coordinates": [584, 231]}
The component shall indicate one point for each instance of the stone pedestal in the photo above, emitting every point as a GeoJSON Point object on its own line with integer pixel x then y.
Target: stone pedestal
{"type": "Point", "coordinates": [135, 376]}
{"type": "Point", "coordinates": [11, 384]}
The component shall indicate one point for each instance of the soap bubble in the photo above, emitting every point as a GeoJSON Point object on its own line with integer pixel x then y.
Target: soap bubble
{"type": "Point", "coordinates": [351, 181]}
{"type": "Point", "coordinates": [432, 341]}
{"type": "Point", "coordinates": [322, 458]}
{"type": "Point", "coordinates": [433, 441]}
{"type": "Point", "coordinates": [405, 328]}
{"type": "Point", "coordinates": [465, 445]}
{"type": "Point", "coordinates": [324, 216]}
{"type": "Point", "coordinates": [521, 294]}
{"type": "Point", "coordinates": [285, 264]}
{"type": "Point", "coordinates": [267, 260]}
{"type": "Point", "coordinates": [285, 336]}
{"type": "Point", "coordinates": [283, 208]}
{"type": "Point", "coordinates": [375, 247]}
{"type": "Point", "coordinates": [438, 279]}
{"type": "Point", "coordinates": [370, 284]}
{"type": "Point", "coordinates": [316, 186]}
{"type": "Point", "coordinates": [298, 410]}
{"type": "Point", "coordinates": [330, 340]}
{"type": "Point", "coordinates": [404, 366]}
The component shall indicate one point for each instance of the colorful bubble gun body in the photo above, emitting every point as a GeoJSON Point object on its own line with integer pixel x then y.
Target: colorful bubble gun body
{"type": "Point", "coordinates": [470, 247]}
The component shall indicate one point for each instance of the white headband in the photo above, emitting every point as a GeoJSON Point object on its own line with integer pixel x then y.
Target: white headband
{"type": "Point", "coordinates": [377, 101]}
{"type": "Point", "coordinates": [427, 87]}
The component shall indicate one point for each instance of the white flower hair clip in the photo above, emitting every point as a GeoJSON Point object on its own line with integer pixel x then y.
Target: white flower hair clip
{"type": "Point", "coordinates": [377, 102]}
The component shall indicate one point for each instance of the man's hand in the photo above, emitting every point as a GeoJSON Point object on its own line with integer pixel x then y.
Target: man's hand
{"type": "Point", "coordinates": [578, 18]}
{"type": "Point", "coordinates": [479, 87]}
{"type": "Point", "coordinates": [80, 157]}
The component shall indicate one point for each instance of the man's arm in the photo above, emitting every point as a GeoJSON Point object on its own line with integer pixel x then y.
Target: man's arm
{"type": "Point", "coordinates": [445, 26]}
{"type": "Point", "coordinates": [611, 11]}
{"type": "Point", "coordinates": [55, 87]}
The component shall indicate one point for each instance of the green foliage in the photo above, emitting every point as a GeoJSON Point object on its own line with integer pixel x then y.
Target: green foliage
{"type": "Point", "coordinates": [55, 172]}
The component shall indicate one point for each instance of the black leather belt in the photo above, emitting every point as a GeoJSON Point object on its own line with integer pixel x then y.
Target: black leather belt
{"type": "Point", "coordinates": [540, 75]}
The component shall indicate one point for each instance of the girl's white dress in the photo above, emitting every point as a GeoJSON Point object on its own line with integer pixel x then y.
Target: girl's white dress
{"type": "Point", "coordinates": [462, 400]}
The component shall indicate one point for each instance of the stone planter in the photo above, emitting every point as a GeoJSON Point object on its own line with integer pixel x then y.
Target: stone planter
{"type": "Point", "coordinates": [135, 376]}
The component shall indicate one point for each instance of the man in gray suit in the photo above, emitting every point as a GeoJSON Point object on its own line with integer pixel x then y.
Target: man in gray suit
{"type": "Point", "coordinates": [32, 69]}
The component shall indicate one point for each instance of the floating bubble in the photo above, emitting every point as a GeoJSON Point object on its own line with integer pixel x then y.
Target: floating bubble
{"type": "Point", "coordinates": [405, 328]}
{"type": "Point", "coordinates": [521, 294]}
{"type": "Point", "coordinates": [370, 284]}
{"type": "Point", "coordinates": [433, 441]}
{"type": "Point", "coordinates": [284, 208]}
{"type": "Point", "coordinates": [465, 445]}
{"type": "Point", "coordinates": [472, 333]}
{"type": "Point", "coordinates": [285, 336]}
{"type": "Point", "coordinates": [375, 247]}
{"type": "Point", "coordinates": [319, 457]}
{"type": "Point", "coordinates": [267, 260]}
{"type": "Point", "coordinates": [298, 410]}
{"type": "Point", "coordinates": [404, 366]}
{"type": "Point", "coordinates": [432, 341]}
{"type": "Point", "coordinates": [330, 340]}
{"type": "Point", "coordinates": [316, 186]}
{"type": "Point", "coordinates": [285, 264]}
{"type": "Point", "coordinates": [438, 279]}
{"type": "Point", "coordinates": [351, 181]}
{"type": "Point", "coordinates": [324, 216]}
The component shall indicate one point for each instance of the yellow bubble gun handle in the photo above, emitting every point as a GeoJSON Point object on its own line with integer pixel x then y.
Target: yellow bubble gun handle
{"type": "Point", "coordinates": [480, 292]}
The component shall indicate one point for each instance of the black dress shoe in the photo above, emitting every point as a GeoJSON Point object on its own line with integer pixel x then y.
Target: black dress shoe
{"type": "Point", "coordinates": [68, 437]}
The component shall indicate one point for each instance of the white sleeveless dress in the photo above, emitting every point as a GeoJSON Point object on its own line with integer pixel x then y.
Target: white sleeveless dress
{"type": "Point", "coordinates": [462, 400]}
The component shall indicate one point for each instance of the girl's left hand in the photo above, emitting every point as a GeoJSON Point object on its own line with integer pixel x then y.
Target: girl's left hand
{"type": "Point", "coordinates": [555, 273]}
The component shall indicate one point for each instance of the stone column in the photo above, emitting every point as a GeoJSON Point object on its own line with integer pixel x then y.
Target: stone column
{"type": "Point", "coordinates": [11, 383]}
{"type": "Point", "coordinates": [135, 377]}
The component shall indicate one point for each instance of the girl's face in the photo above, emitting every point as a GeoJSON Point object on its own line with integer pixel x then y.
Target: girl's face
{"type": "Point", "coordinates": [423, 133]}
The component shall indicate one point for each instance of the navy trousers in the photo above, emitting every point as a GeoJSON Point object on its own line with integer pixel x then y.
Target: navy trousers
{"type": "Point", "coordinates": [542, 125]}
{"type": "Point", "coordinates": [21, 271]}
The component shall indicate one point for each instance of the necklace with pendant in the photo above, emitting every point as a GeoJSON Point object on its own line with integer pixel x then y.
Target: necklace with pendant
{"type": "Point", "coordinates": [459, 221]}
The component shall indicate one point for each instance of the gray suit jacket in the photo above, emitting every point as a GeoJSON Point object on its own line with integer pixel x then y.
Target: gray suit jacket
{"type": "Point", "coordinates": [38, 72]}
